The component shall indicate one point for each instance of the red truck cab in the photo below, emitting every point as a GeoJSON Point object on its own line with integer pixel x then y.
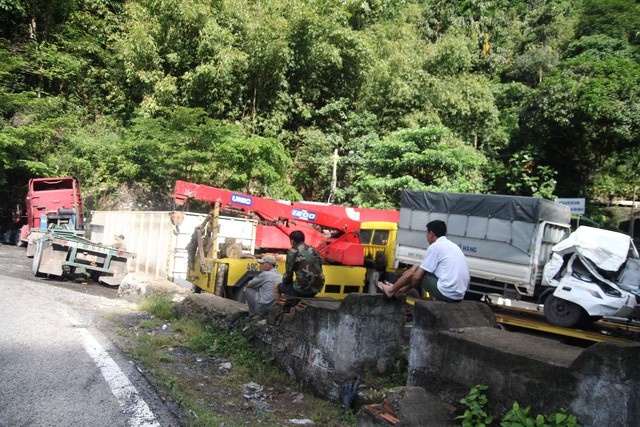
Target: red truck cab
{"type": "Point", "coordinates": [52, 202]}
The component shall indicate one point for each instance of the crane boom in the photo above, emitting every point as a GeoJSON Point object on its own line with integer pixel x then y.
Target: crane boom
{"type": "Point", "coordinates": [332, 230]}
{"type": "Point", "coordinates": [339, 218]}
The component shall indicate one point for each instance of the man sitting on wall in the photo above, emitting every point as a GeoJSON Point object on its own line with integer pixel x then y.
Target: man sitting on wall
{"type": "Point", "coordinates": [443, 272]}
{"type": "Point", "coordinates": [259, 290]}
{"type": "Point", "coordinates": [305, 263]}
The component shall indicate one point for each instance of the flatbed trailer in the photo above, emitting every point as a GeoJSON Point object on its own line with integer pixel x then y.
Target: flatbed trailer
{"type": "Point", "coordinates": [67, 254]}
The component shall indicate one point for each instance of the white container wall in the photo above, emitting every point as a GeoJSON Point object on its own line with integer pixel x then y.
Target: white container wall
{"type": "Point", "coordinates": [159, 246]}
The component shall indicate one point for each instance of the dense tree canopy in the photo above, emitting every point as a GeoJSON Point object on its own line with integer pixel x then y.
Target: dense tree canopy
{"type": "Point", "coordinates": [534, 98]}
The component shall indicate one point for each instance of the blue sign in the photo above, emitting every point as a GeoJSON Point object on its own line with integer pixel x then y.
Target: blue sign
{"type": "Point", "coordinates": [303, 214]}
{"type": "Point", "coordinates": [577, 205]}
{"type": "Point", "coordinates": [241, 200]}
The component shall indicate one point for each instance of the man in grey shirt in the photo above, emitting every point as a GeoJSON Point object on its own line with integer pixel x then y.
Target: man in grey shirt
{"type": "Point", "coordinates": [259, 290]}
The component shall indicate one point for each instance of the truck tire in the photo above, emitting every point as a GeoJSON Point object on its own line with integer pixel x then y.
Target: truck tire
{"type": "Point", "coordinates": [236, 292]}
{"type": "Point", "coordinates": [563, 313]}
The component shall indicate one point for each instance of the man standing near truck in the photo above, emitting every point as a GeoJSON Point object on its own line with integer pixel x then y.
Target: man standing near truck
{"type": "Point", "coordinates": [443, 272]}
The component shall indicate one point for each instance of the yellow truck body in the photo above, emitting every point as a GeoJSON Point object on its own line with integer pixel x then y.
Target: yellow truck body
{"type": "Point", "coordinates": [225, 276]}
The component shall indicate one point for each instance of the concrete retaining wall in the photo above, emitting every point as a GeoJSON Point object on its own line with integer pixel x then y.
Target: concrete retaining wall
{"type": "Point", "coordinates": [325, 344]}
{"type": "Point", "coordinates": [457, 346]}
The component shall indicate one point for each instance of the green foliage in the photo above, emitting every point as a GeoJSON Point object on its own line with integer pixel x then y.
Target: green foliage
{"type": "Point", "coordinates": [184, 143]}
{"type": "Point", "coordinates": [519, 417]}
{"type": "Point", "coordinates": [476, 416]}
{"type": "Point", "coordinates": [533, 65]}
{"type": "Point", "coordinates": [187, 327]}
{"type": "Point", "coordinates": [525, 178]}
{"type": "Point", "coordinates": [234, 345]}
{"type": "Point", "coordinates": [426, 158]}
{"type": "Point", "coordinates": [466, 104]}
{"type": "Point", "coordinates": [212, 338]}
{"type": "Point", "coordinates": [475, 401]}
{"type": "Point", "coordinates": [618, 19]}
{"type": "Point", "coordinates": [148, 350]}
{"type": "Point", "coordinates": [256, 96]}
{"type": "Point", "coordinates": [582, 115]}
{"type": "Point", "coordinates": [451, 56]}
{"type": "Point", "coordinates": [159, 305]}
{"type": "Point", "coordinates": [599, 46]}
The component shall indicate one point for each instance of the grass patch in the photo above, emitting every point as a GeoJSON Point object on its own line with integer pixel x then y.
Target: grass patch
{"type": "Point", "coordinates": [148, 350]}
{"type": "Point", "coordinates": [120, 331]}
{"type": "Point", "coordinates": [159, 306]}
{"type": "Point", "coordinates": [188, 327]}
{"type": "Point", "coordinates": [150, 323]}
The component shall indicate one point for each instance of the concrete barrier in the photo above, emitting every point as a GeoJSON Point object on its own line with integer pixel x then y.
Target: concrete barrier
{"type": "Point", "coordinates": [135, 287]}
{"type": "Point", "coordinates": [457, 346]}
{"type": "Point", "coordinates": [324, 345]}
{"type": "Point", "coordinates": [203, 306]}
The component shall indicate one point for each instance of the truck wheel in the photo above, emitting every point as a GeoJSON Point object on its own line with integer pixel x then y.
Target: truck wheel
{"type": "Point", "coordinates": [563, 313]}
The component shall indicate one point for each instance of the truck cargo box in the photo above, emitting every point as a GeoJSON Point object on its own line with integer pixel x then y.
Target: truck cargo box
{"type": "Point", "coordinates": [506, 239]}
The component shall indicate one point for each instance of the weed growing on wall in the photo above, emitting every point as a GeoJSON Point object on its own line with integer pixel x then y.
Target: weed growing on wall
{"type": "Point", "coordinates": [517, 416]}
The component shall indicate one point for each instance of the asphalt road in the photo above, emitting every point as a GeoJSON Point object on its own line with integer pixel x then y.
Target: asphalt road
{"type": "Point", "coordinates": [57, 364]}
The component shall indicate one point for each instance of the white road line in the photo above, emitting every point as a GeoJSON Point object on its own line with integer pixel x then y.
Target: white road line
{"type": "Point", "coordinates": [136, 409]}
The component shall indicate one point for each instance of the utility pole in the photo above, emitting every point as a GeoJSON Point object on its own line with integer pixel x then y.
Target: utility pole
{"type": "Point", "coordinates": [632, 219]}
{"type": "Point", "coordinates": [334, 175]}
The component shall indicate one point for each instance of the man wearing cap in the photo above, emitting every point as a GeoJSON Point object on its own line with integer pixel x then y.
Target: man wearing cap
{"type": "Point", "coordinates": [259, 290]}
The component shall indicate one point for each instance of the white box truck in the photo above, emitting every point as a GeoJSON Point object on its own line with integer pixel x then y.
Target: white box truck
{"type": "Point", "coordinates": [509, 240]}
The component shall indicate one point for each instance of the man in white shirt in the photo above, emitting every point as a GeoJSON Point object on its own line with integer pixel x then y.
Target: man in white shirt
{"type": "Point", "coordinates": [443, 272]}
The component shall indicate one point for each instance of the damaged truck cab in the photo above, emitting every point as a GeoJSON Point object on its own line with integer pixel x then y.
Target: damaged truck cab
{"type": "Point", "coordinates": [593, 273]}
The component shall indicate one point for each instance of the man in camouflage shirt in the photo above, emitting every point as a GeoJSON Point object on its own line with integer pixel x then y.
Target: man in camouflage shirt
{"type": "Point", "coordinates": [306, 263]}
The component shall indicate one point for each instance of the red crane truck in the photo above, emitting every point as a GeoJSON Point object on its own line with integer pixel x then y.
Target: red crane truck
{"type": "Point", "coordinates": [335, 231]}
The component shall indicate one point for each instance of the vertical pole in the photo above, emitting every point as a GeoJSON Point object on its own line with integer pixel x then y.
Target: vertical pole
{"type": "Point", "coordinates": [334, 175]}
{"type": "Point", "coordinates": [216, 280]}
{"type": "Point", "coordinates": [632, 219]}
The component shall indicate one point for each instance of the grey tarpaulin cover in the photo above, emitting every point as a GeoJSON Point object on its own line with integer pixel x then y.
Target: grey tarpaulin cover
{"type": "Point", "coordinates": [516, 231]}
{"type": "Point", "coordinates": [515, 208]}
